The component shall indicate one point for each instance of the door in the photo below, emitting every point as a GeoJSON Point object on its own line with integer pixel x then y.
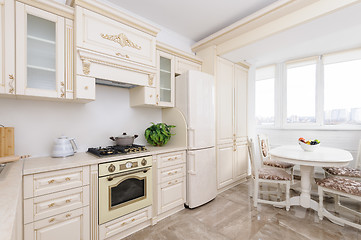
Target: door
{"type": "Point", "coordinates": [201, 176]}
{"type": "Point", "coordinates": [224, 165]}
{"type": "Point", "coordinates": [7, 47]}
{"type": "Point", "coordinates": [240, 161]}
{"type": "Point", "coordinates": [240, 102]}
{"type": "Point", "coordinates": [225, 103]}
{"type": "Point", "coordinates": [201, 110]}
{"type": "Point", "coordinates": [39, 52]}
{"type": "Point", "coordinates": [165, 84]}
{"type": "Point", "coordinates": [171, 194]}
{"type": "Point", "coordinates": [73, 225]}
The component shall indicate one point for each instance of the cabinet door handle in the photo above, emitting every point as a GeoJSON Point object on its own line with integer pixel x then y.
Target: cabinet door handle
{"type": "Point", "coordinates": [11, 84]}
{"type": "Point", "coordinates": [123, 223]}
{"type": "Point", "coordinates": [169, 159]}
{"type": "Point", "coordinates": [51, 205]}
{"type": "Point", "coordinates": [133, 219]}
{"type": "Point", "coordinates": [67, 179]}
{"type": "Point", "coordinates": [51, 181]}
{"type": "Point", "coordinates": [67, 201]}
{"type": "Point", "coordinates": [68, 215]}
{"type": "Point", "coordinates": [86, 87]}
{"type": "Point", "coordinates": [170, 173]}
{"type": "Point", "coordinates": [169, 183]}
{"type": "Point", "coordinates": [51, 220]}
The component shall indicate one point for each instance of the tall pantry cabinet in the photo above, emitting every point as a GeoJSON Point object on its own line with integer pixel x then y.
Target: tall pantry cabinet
{"type": "Point", "coordinates": [231, 108]}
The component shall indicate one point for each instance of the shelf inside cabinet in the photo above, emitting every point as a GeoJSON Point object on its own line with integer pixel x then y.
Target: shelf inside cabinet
{"type": "Point", "coordinates": [166, 89]}
{"type": "Point", "coordinates": [42, 68]}
{"type": "Point", "coordinates": [165, 71]}
{"type": "Point", "coordinates": [43, 40]}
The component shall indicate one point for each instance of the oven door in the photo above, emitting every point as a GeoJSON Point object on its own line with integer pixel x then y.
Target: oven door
{"type": "Point", "coordinates": [125, 192]}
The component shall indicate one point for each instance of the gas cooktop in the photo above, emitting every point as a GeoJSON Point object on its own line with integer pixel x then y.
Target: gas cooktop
{"type": "Point", "coordinates": [114, 150]}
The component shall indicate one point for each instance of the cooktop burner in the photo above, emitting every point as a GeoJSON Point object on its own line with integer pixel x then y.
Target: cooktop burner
{"type": "Point", "coordinates": [113, 150]}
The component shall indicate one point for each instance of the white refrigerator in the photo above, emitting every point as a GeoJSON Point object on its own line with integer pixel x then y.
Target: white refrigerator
{"type": "Point", "coordinates": [195, 99]}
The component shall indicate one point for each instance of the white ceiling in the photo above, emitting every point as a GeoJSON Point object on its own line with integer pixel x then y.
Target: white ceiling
{"type": "Point", "coordinates": [194, 19]}
{"type": "Point", "coordinates": [334, 32]}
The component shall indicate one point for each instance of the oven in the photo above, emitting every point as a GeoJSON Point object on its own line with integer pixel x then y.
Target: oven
{"type": "Point", "coordinates": [124, 186]}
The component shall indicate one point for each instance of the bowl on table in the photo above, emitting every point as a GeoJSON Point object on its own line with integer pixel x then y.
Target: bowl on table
{"type": "Point", "coordinates": [307, 147]}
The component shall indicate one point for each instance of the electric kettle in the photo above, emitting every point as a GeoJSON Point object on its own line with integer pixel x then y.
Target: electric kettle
{"type": "Point", "coordinates": [64, 147]}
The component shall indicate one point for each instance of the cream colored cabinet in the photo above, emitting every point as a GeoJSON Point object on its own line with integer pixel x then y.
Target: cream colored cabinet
{"type": "Point", "coordinates": [231, 105]}
{"type": "Point", "coordinates": [165, 80]}
{"type": "Point", "coordinates": [171, 181]}
{"type": "Point", "coordinates": [7, 47]}
{"type": "Point", "coordinates": [182, 65]}
{"type": "Point", "coordinates": [42, 64]}
{"type": "Point", "coordinates": [56, 205]}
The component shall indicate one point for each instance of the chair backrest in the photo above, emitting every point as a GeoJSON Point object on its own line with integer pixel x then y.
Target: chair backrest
{"type": "Point", "coordinates": [263, 145]}
{"type": "Point", "coordinates": [358, 158]}
{"type": "Point", "coordinates": [251, 156]}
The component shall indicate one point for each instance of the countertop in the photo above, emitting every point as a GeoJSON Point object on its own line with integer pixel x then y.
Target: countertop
{"type": "Point", "coordinates": [44, 164]}
{"type": "Point", "coordinates": [10, 195]}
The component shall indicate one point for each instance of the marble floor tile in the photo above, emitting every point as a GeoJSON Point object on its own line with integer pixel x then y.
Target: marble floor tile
{"type": "Point", "coordinates": [231, 216]}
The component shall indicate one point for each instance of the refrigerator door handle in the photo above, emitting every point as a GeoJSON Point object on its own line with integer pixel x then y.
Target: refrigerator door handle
{"type": "Point", "coordinates": [192, 164]}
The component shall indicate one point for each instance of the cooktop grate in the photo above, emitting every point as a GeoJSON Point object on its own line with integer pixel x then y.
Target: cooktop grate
{"type": "Point", "coordinates": [114, 150]}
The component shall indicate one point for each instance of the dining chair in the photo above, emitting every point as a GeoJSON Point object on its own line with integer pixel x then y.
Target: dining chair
{"type": "Point", "coordinates": [264, 149]}
{"type": "Point", "coordinates": [268, 176]}
{"type": "Point", "coordinates": [345, 172]}
{"type": "Point", "coordinates": [339, 187]}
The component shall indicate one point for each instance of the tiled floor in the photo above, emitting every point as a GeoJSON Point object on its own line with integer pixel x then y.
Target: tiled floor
{"type": "Point", "coordinates": [231, 216]}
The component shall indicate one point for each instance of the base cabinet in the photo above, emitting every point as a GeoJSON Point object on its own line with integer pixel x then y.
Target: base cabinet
{"type": "Point", "coordinates": [73, 225]}
{"type": "Point", "coordinates": [171, 194]}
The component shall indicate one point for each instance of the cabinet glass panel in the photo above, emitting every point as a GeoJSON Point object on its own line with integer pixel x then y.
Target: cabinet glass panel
{"type": "Point", "coordinates": [165, 79]}
{"type": "Point", "coordinates": [41, 53]}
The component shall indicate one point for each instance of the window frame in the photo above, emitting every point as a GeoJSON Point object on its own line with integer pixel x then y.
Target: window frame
{"type": "Point", "coordinates": [280, 95]}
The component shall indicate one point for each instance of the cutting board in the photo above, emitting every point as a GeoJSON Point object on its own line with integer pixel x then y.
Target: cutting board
{"type": "Point", "coordinates": [9, 159]}
{"type": "Point", "coordinates": [7, 147]}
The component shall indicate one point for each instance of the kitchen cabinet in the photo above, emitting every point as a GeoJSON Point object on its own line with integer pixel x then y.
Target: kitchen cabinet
{"type": "Point", "coordinates": [7, 47]}
{"type": "Point", "coordinates": [165, 80]}
{"type": "Point", "coordinates": [182, 65]}
{"type": "Point", "coordinates": [43, 66]}
{"type": "Point", "coordinates": [231, 111]}
{"type": "Point", "coordinates": [56, 205]}
{"type": "Point", "coordinates": [171, 190]}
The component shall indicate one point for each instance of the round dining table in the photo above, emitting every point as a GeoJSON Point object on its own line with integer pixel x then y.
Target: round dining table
{"type": "Point", "coordinates": [321, 157]}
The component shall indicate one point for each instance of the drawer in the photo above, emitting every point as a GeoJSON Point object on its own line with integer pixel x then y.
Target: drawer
{"type": "Point", "coordinates": [171, 159]}
{"type": "Point", "coordinates": [170, 173]}
{"type": "Point", "coordinates": [55, 181]}
{"type": "Point", "coordinates": [119, 225]}
{"type": "Point", "coordinates": [104, 35]}
{"type": "Point", "coordinates": [171, 194]}
{"type": "Point", "coordinates": [52, 204]}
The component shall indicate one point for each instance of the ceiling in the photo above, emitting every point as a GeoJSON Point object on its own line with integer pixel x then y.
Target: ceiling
{"type": "Point", "coordinates": [334, 32]}
{"type": "Point", "coordinates": [193, 19]}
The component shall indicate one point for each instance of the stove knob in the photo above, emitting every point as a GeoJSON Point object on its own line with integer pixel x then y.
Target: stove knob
{"type": "Point", "coordinates": [111, 168]}
{"type": "Point", "coordinates": [144, 162]}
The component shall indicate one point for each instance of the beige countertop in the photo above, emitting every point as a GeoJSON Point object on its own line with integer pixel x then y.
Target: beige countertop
{"type": "Point", "coordinates": [10, 195]}
{"type": "Point", "coordinates": [44, 164]}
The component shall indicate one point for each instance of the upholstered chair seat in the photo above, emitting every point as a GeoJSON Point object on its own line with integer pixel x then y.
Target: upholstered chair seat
{"type": "Point", "coordinates": [345, 185]}
{"type": "Point", "coordinates": [343, 171]}
{"type": "Point", "coordinates": [274, 174]}
{"type": "Point", "coordinates": [277, 164]}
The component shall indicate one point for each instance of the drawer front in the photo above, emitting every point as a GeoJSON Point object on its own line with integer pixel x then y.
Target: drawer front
{"type": "Point", "coordinates": [121, 224]}
{"type": "Point", "coordinates": [55, 181]}
{"type": "Point", "coordinates": [171, 173]}
{"type": "Point", "coordinates": [171, 159]}
{"type": "Point", "coordinates": [171, 194]}
{"type": "Point", "coordinates": [52, 204]}
{"type": "Point", "coordinates": [104, 35]}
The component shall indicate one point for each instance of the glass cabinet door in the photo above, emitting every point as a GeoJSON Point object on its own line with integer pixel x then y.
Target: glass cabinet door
{"type": "Point", "coordinates": [39, 52]}
{"type": "Point", "coordinates": [165, 80]}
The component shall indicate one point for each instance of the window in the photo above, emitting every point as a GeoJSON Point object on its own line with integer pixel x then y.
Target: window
{"type": "Point", "coordinates": [318, 92]}
{"type": "Point", "coordinates": [301, 92]}
{"type": "Point", "coordinates": [342, 81]}
{"type": "Point", "coordinates": [265, 82]}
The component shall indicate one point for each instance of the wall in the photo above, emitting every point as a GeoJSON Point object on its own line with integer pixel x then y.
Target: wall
{"type": "Point", "coordinates": [38, 123]}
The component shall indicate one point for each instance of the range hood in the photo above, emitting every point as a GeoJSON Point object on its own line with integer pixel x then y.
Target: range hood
{"type": "Point", "coordinates": [114, 83]}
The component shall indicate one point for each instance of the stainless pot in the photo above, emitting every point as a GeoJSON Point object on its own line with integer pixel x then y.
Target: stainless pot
{"type": "Point", "coordinates": [124, 140]}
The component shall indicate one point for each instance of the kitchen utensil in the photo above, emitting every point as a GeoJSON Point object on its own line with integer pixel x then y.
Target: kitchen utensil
{"type": "Point", "coordinates": [6, 141]}
{"type": "Point", "coordinates": [64, 147]}
{"type": "Point", "coordinates": [124, 140]}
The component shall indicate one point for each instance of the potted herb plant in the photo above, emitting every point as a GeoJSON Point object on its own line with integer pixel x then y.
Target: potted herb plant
{"type": "Point", "coordinates": [158, 134]}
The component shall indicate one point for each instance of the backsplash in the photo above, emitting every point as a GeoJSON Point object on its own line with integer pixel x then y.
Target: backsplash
{"type": "Point", "coordinates": [38, 123]}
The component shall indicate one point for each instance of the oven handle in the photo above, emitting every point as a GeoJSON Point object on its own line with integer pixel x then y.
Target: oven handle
{"type": "Point", "coordinates": [110, 178]}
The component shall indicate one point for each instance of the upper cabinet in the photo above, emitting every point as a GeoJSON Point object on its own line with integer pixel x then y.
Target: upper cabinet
{"type": "Point", "coordinates": [7, 47]}
{"type": "Point", "coordinates": [165, 83]}
{"type": "Point", "coordinates": [182, 65]}
{"type": "Point", "coordinates": [43, 66]}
